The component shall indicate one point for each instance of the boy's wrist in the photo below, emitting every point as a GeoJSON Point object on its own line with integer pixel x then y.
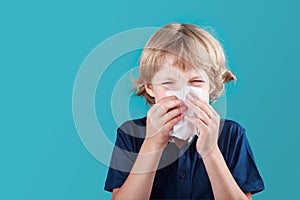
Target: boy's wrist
{"type": "Point", "coordinates": [148, 158]}
{"type": "Point", "coordinates": [213, 153]}
{"type": "Point", "coordinates": [150, 146]}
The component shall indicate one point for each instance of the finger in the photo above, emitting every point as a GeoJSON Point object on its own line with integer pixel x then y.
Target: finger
{"type": "Point", "coordinates": [174, 113]}
{"type": "Point", "coordinates": [170, 124]}
{"type": "Point", "coordinates": [198, 122]}
{"type": "Point", "coordinates": [207, 107]}
{"type": "Point", "coordinates": [198, 112]}
{"type": "Point", "coordinates": [161, 101]}
{"type": "Point", "coordinates": [198, 102]}
{"type": "Point", "coordinates": [165, 106]}
{"type": "Point", "coordinates": [214, 112]}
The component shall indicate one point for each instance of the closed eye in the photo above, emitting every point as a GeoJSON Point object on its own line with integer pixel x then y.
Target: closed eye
{"type": "Point", "coordinates": [198, 81]}
{"type": "Point", "coordinates": [167, 83]}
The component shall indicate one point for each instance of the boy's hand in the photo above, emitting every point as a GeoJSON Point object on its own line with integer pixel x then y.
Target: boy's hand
{"type": "Point", "coordinates": [161, 118]}
{"type": "Point", "coordinates": [207, 121]}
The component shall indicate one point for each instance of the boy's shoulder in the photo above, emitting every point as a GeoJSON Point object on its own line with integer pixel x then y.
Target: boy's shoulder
{"type": "Point", "coordinates": [141, 122]}
{"type": "Point", "coordinates": [135, 127]}
{"type": "Point", "coordinates": [135, 122]}
{"type": "Point", "coordinates": [230, 122]}
{"type": "Point", "coordinates": [231, 129]}
{"type": "Point", "coordinates": [227, 126]}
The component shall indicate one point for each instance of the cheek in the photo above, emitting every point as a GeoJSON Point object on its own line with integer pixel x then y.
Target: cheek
{"type": "Point", "coordinates": [160, 93]}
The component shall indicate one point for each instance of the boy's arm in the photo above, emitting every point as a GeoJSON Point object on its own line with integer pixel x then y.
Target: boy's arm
{"type": "Point", "coordinates": [161, 118]}
{"type": "Point", "coordinates": [223, 184]}
{"type": "Point", "coordinates": [207, 121]}
{"type": "Point", "coordinates": [139, 183]}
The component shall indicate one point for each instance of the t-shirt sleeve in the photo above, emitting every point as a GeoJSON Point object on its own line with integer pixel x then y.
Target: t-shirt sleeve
{"type": "Point", "coordinates": [241, 163]}
{"type": "Point", "coordinates": [123, 157]}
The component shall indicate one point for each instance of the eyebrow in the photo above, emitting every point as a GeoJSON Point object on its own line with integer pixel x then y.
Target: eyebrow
{"type": "Point", "coordinates": [167, 78]}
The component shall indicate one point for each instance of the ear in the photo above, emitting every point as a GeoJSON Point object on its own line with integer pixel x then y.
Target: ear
{"type": "Point", "coordinates": [149, 89]}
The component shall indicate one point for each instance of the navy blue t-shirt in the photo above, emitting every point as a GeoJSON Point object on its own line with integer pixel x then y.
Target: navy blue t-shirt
{"type": "Point", "coordinates": [181, 173]}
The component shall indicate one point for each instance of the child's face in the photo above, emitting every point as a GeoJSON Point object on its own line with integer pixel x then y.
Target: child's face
{"type": "Point", "coordinates": [175, 78]}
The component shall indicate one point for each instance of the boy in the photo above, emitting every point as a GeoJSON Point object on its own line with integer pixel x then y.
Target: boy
{"type": "Point", "coordinates": [174, 155]}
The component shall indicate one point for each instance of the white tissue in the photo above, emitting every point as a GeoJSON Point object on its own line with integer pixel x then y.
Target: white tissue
{"type": "Point", "coordinates": [185, 130]}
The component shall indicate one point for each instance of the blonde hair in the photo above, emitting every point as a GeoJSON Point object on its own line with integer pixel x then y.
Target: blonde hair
{"type": "Point", "coordinates": [190, 46]}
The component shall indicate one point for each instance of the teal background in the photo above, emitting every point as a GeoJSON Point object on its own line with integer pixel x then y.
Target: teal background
{"type": "Point", "coordinates": [43, 44]}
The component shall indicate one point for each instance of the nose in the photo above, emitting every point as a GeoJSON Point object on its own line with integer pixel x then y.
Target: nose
{"type": "Point", "coordinates": [179, 85]}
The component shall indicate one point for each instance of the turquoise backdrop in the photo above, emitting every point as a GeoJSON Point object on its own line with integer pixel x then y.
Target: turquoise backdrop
{"type": "Point", "coordinates": [44, 43]}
